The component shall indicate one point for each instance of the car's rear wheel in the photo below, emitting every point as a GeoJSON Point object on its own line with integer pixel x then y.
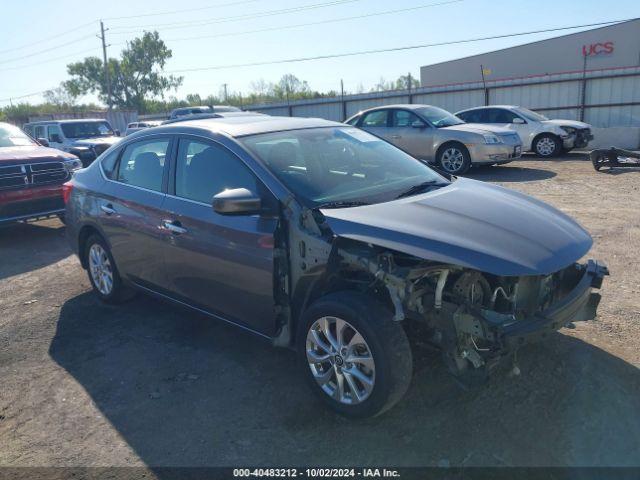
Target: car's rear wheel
{"type": "Point", "coordinates": [453, 158]}
{"type": "Point", "coordinates": [103, 274]}
{"type": "Point", "coordinates": [547, 145]}
{"type": "Point", "coordinates": [356, 357]}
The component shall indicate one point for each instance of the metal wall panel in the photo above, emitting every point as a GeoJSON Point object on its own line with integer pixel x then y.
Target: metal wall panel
{"type": "Point", "coordinates": [328, 111]}
{"type": "Point", "coordinates": [563, 113]}
{"type": "Point", "coordinates": [626, 116]}
{"type": "Point", "coordinates": [354, 106]}
{"type": "Point", "coordinates": [273, 111]}
{"type": "Point", "coordinates": [452, 101]}
{"type": "Point", "coordinates": [613, 90]}
{"type": "Point", "coordinates": [537, 96]}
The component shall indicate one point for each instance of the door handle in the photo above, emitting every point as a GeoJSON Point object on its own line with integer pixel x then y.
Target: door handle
{"type": "Point", "coordinates": [174, 227]}
{"type": "Point", "coordinates": [108, 209]}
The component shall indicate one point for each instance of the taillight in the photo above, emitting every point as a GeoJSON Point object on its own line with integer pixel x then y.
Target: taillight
{"type": "Point", "coordinates": [66, 191]}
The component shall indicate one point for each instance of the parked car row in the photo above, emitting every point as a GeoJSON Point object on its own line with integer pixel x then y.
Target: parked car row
{"type": "Point", "coordinates": [492, 135]}
{"type": "Point", "coordinates": [325, 238]}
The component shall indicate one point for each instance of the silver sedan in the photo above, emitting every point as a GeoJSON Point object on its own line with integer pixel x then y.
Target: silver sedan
{"type": "Point", "coordinates": [437, 136]}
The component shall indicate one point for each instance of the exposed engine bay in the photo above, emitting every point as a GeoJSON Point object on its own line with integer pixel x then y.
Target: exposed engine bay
{"type": "Point", "coordinates": [474, 317]}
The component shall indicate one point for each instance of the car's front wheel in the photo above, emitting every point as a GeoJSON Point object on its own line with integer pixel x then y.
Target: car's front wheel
{"type": "Point", "coordinates": [103, 274]}
{"type": "Point", "coordinates": [356, 357]}
{"type": "Point", "coordinates": [547, 145]}
{"type": "Point", "coordinates": [453, 158]}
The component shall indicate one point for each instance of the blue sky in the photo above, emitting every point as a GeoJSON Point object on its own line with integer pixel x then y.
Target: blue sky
{"type": "Point", "coordinates": [68, 30]}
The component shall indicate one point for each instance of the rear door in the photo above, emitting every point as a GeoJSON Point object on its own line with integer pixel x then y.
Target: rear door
{"type": "Point", "coordinates": [405, 134]}
{"type": "Point", "coordinates": [222, 264]}
{"type": "Point", "coordinates": [376, 122]}
{"type": "Point", "coordinates": [130, 212]}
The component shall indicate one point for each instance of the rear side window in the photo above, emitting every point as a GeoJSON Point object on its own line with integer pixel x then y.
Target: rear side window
{"type": "Point", "coordinates": [500, 115]}
{"type": "Point", "coordinates": [473, 116]}
{"type": "Point", "coordinates": [109, 165]}
{"type": "Point", "coordinates": [142, 164]}
{"type": "Point", "coordinates": [206, 169]}
{"type": "Point", "coordinates": [375, 119]}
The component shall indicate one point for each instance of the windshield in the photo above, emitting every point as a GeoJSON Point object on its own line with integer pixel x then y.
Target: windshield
{"type": "Point", "coordinates": [86, 129]}
{"type": "Point", "coordinates": [11, 136]}
{"type": "Point", "coordinates": [529, 115]}
{"type": "Point", "coordinates": [339, 166]}
{"type": "Point", "coordinates": [438, 117]}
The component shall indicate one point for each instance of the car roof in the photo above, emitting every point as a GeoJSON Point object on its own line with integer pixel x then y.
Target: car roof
{"type": "Point", "coordinates": [239, 126]}
{"type": "Point", "coordinates": [508, 107]}
{"type": "Point", "coordinates": [69, 120]}
{"type": "Point", "coordinates": [405, 106]}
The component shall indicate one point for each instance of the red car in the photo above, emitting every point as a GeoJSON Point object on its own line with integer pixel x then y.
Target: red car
{"type": "Point", "coordinates": [31, 177]}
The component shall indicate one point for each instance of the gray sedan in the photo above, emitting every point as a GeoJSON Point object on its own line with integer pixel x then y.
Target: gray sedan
{"type": "Point", "coordinates": [433, 134]}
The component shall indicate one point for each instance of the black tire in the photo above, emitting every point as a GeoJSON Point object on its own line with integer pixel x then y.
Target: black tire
{"type": "Point", "coordinates": [385, 338]}
{"type": "Point", "coordinates": [460, 151]}
{"type": "Point", "coordinates": [118, 292]}
{"type": "Point", "coordinates": [547, 145]}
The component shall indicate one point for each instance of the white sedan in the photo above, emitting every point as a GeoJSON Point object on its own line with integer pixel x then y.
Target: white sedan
{"type": "Point", "coordinates": [545, 137]}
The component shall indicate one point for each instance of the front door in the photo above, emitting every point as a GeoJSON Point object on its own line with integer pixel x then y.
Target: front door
{"type": "Point", "coordinates": [54, 136]}
{"type": "Point", "coordinates": [130, 211]}
{"type": "Point", "coordinates": [411, 134]}
{"type": "Point", "coordinates": [222, 264]}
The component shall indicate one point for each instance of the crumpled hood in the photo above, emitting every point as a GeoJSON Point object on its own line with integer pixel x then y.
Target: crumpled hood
{"type": "Point", "coordinates": [567, 123]}
{"type": "Point", "coordinates": [479, 128]}
{"type": "Point", "coordinates": [471, 224]}
{"type": "Point", "coordinates": [88, 142]}
{"type": "Point", "coordinates": [31, 154]}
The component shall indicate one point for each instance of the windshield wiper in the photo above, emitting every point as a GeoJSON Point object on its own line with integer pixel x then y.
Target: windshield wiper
{"type": "Point", "coordinates": [420, 188]}
{"type": "Point", "coordinates": [342, 204]}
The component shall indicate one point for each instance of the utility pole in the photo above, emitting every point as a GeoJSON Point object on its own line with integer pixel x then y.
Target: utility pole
{"type": "Point", "coordinates": [226, 96]}
{"type": "Point", "coordinates": [344, 105]}
{"type": "Point", "coordinates": [409, 86]}
{"type": "Point", "coordinates": [106, 67]}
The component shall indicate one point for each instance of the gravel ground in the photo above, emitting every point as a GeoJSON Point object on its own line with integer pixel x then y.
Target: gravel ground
{"type": "Point", "coordinates": [147, 384]}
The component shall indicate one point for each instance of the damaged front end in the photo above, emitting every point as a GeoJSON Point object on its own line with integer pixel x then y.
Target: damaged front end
{"type": "Point", "coordinates": [475, 317]}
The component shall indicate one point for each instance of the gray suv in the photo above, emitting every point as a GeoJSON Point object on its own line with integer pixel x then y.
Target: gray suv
{"type": "Point", "coordinates": [324, 238]}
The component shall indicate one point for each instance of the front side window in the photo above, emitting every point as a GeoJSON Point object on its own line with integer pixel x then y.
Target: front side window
{"type": "Point", "coordinates": [142, 164]}
{"type": "Point", "coordinates": [87, 129]}
{"type": "Point", "coordinates": [375, 119]}
{"type": "Point", "coordinates": [404, 119]}
{"type": "Point", "coordinates": [439, 117]}
{"type": "Point", "coordinates": [11, 136]}
{"type": "Point", "coordinates": [339, 164]}
{"type": "Point", "coordinates": [531, 115]}
{"type": "Point", "coordinates": [500, 115]}
{"type": "Point", "coordinates": [205, 169]}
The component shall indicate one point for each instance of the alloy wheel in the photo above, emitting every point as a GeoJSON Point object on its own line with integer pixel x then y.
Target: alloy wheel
{"type": "Point", "coordinates": [452, 160]}
{"type": "Point", "coordinates": [100, 268]}
{"type": "Point", "coordinates": [340, 360]}
{"type": "Point", "coordinates": [546, 146]}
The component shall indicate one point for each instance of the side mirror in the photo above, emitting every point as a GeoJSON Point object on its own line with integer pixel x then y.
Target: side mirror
{"type": "Point", "coordinates": [237, 201]}
{"type": "Point", "coordinates": [518, 121]}
{"type": "Point", "coordinates": [418, 124]}
{"type": "Point", "coordinates": [117, 132]}
{"type": "Point", "coordinates": [43, 141]}
{"type": "Point", "coordinates": [55, 137]}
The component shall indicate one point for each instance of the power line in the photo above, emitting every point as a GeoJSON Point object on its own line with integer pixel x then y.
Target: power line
{"type": "Point", "coordinates": [322, 22]}
{"type": "Point", "coordinates": [22, 47]}
{"type": "Point", "coordinates": [393, 49]}
{"type": "Point", "coordinates": [172, 12]}
{"type": "Point", "coordinates": [40, 52]}
{"type": "Point", "coordinates": [209, 21]}
{"type": "Point", "coordinates": [8, 99]}
{"type": "Point", "coordinates": [20, 67]}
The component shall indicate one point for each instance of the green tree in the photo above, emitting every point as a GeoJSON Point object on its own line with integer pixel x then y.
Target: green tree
{"type": "Point", "coordinates": [135, 78]}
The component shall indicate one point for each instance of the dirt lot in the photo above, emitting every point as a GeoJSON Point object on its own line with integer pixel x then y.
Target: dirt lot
{"type": "Point", "coordinates": [149, 384]}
